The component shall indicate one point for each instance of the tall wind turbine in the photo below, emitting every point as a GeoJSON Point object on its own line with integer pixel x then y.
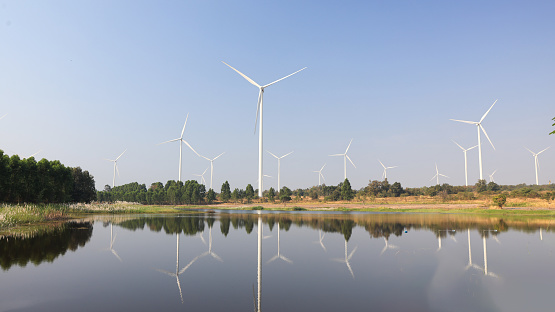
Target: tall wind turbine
{"type": "Point", "coordinates": [479, 125]}
{"type": "Point", "coordinates": [115, 161]}
{"type": "Point", "coordinates": [437, 176]}
{"type": "Point", "coordinates": [465, 161]}
{"type": "Point", "coordinates": [320, 175]}
{"type": "Point", "coordinates": [180, 139]}
{"type": "Point", "coordinates": [491, 176]}
{"type": "Point", "coordinates": [259, 108]}
{"type": "Point", "coordinates": [202, 180]}
{"type": "Point", "coordinates": [384, 175]}
{"type": "Point", "coordinates": [537, 163]}
{"type": "Point", "coordinates": [345, 157]}
{"type": "Point", "coordinates": [211, 166]}
{"type": "Point", "coordinates": [279, 164]}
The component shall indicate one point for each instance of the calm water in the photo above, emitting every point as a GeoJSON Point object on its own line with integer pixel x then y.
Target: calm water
{"type": "Point", "coordinates": [297, 262]}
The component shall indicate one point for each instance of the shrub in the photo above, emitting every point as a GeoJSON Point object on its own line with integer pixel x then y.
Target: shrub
{"type": "Point", "coordinates": [500, 200]}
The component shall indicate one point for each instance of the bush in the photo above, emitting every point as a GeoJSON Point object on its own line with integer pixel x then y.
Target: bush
{"type": "Point", "coordinates": [500, 200]}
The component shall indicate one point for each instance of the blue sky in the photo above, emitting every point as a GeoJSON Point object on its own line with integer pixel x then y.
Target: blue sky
{"type": "Point", "coordinates": [83, 81]}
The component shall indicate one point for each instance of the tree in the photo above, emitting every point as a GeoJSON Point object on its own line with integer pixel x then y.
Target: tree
{"type": "Point", "coordinates": [83, 186]}
{"type": "Point", "coordinates": [285, 194]}
{"type": "Point", "coordinates": [249, 193]}
{"type": "Point", "coordinates": [346, 191]}
{"type": "Point", "coordinates": [225, 194]}
{"type": "Point", "coordinates": [396, 189]}
{"type": "Point", "coordinates": [211, 196]}
{"type": "Point", "coordinates": [481, 186]}
{"type": "Point", "coordinates": [271, 194]}
{"type": "Point", "coordinates": [553, 132]}
{"type": "Point", "coordinates": [235, 196]}
{"type": "Point", "coordinates": [493, 187]}
{"type": "Point", "coordinates": [500, 200]}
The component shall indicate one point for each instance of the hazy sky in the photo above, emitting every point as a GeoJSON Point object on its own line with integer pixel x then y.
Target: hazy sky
{"type": "Point", "coordinates": [83, 81]}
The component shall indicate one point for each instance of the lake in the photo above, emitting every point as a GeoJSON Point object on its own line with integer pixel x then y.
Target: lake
{"type": "Point", "coordinates": [270, 261]}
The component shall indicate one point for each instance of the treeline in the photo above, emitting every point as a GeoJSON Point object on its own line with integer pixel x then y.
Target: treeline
{"type": "Point", "coordinates": [173, 193]}
{"type": "Point", "coordinates": [28, 181]}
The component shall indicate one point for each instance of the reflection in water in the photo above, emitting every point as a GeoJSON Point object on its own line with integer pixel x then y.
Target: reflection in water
{"type": "Point", "coordinates": [347, 259]}
{"type": "Point", "coordinates": [177, 271]}
{"type": "Point", "coordinates": [112, 240]}
{"type": "Point", "coordinates": [259, 268]}
{"type": "Point", "coordinates": [387, 245]}
{"type": "Point", "coordinates": [279, 255]}
{"type": "Point", "coordinates": [210, 252]}
{"type": "Point", "coordinates": [470, 264]}
{"type": "Point", "coordinates": [486, 272]}
{"type": "Point", "coordinates": [321, 238]}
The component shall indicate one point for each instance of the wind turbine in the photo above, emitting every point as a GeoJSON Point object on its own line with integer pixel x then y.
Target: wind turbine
{"type": "Point", "coordinates": [439, 238]}
{"type": "Point", "coordinates": [259, 108]}
{"type": "Point", "coordinates": [437, 176]}
{"type": "Point", "coordinates": [210, 252]}
{"type": "Point", "coordinates": [279, 256]}
{"type": "Point", "coordinates": [347, 259]}
{"type": "Point", "coordinates": [491, 176]}
{"type": "Point", "coordinates": [180, 139]}
{"type": "Point", "coordinates": [470, 265]}
{"type": "Point", "coordinates": [202, 180]}
{"type": "Point", "coordinates": [387, 245]}
{"type": "Point", "coordinates": [177, 271]}
{"type": "Point", "coordinates": [537, 162]}
{"type": "Point", "coordinates": [211, 165]}
{"type": "Point", "coordinates": [345, 157]}
{"type": "Point", "coordinates": [320, 239]}
{"type": "Point", "coordinates": [112, 240]}
{"type": "Point", "coordinates": [384, 175]}
{"type": "Point", "coordinates": [486, 272]}
{"type": "Point", "coordinates": [479, 125]}
{"type": "Point", "coordinates": [34, 154]}
{"type": "Point", "coordinates": [115, 161]}
{"type": "Point", "coordinates": [320, 174]}
{"type": "Point", "coordinates": [279, 164]}
{"type": "Point", "coordinates": [465, 161]}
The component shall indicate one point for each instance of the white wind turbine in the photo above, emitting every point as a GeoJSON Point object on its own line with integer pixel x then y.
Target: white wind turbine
{"type": "Point", "coordinates": [259, 108]}
{"type": "Point", "coordinates": [384, 175]}
{"type": "Point", "coordinates": [491, 176]}
{"type": "Point", "coordinates": [470, 264]}
{"type": "Point", "coordinates": [211, 166]}
{"type": "Point", "coordinates": [465, 161]}
{"type": "Point", "coordinates": [279, 255]}
{"type": "Point", "coordinates": [537, 163]}
{"type": "Point", "coordinates": [345, 157]}
{"type": "Point", "coordinates": [180, 139]}
{"type": "Point", "coordinates": [210, 252]}
{"type": "Point", "coordinates": [321, 239]}
{"type": "Point", "coordinates": [320, 175]}
{"type": "Point", "coordinates": [347, 259]}
{"type": "Point", "coordinates": [479, 125]}
{"type": "Point", "coordinates": [437, 176]}
{"type": "Point", "coordinates": [279, 164]}
{"type": "Point", "coordinates": [202, 180]}
{"type": "Point", "coordinates": [387, 246]}
{"type": "Point", "coordinates": [112, 241]}
{"type": "Point", "coordinates": [115, 161]}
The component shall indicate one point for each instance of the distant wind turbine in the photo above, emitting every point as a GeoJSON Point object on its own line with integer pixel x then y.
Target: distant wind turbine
{"type": "Point", "coordinates": [491, 176]}
{"type": "Point", "coordinates": [384, 175]}
{"type": "Point", "coordinates": [202, 180]}
{"type": "Point", "coordinates": [347, 259]}
{"type": "Point", "coordinates": [465, 161]}
{"type": "Point", "coordinates": [210, 252]}
{"type": "Point", "coordinates": [112, 241]}
{"type": "Point", "coordinates": [321, 239]}
{"type": "Point", "coordinates": [279, 255]}
{"type": "Point", "coordinates": [387, 246]}
{"type": "Point", "coordinates": [279, 165]}
{"type": "Point", "coordinates": [479, 125]}
{"type": "Point", "coordinates": [211, 166]}
{"type": "Point", "coordinates": [259, 108]}
{"type": "Point", "coordinates": [115, 161]}
{"type": "Point", "coordinates": [537, 163]}
{"type": "Point", "coordinates": [180, 139]}
{"type": "Point", "coordinates": [34, 154]}
{"type": "Point", "coordinates": [437, 176]}
{"type": "Point", "coordinates": [345, 157]}
{"type": "Point", "coordinates": [320, 175]}
{"type": "Point", "coordinates": [470, 264]}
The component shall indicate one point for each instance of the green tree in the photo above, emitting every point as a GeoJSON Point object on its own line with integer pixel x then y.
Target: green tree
{"type": "Point", "coordinates": [553, 132]}
{"type": "Point", "coordinates": [249, 193]}
{"type": "Point", "coordinates": [493, 187]}
{"type": "Point", "coordinates": [481, 186]}
{"type": "Point", "coordinates": [500, 200]}
{"type": "Point", "coordinates": [396, 189]}
{"type": "Point", "coordinates": [271, 194]}
{"type": "Point", "coordinates": [83, 186]}
{"type": "Point", "coordinates": [235, 196]}
{"type": "Point", "coordinates": [225, 193]}
{"type": "Point", "coordinates": [346, 191]}
{"type": "Point", "coordinates": [285, 194]}
{"type": "Point", "coordinates": [211, 196]}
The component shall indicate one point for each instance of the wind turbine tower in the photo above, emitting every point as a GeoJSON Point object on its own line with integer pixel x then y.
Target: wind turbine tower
{"type": "Point", "coordinates": [465, 161]}
{"type": "Point", "coordinates": [279, 165]}
{"type": "Point", "coordinates": [320, 175]}
{"type": "Point", "coordinates": [259, 109]}
{"type": "Point", "coordinates": [384, 175]}
{"type": "Point", "coordinates": [537, 163]}
{"type": "Point", "coordinates": [115, 161]}
{"type": "Point", "coordinates": [345, 157]}
{"type": "Point", "coordinates": [180, 139]}
{"type": "Point", "coordinates": [211, 166]}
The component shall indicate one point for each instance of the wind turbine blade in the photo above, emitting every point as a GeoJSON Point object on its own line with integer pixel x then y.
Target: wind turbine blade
{"type": "Point", "coordinates": [116, 254]}
{"type": "Point", "coordinates": [187, 266]}
{"type": "Point", "coordinates": [244, 76]}
{"type": "Point", "coordinates": [348, 146]}
{"type": "Point", "coordinates": [183, 131]}
{"type": "Point", "coordinates": [3, 116]}
{"type": "Point", "coordinates": [218, 156]}
{"type": "Point", "coordinates": [272, 154]}
{"type": "Point", "coordinates": [215, 256]}
{"type": "Point", "coordinates": [458, 145]}
{"type": "Point", "coordinates": [350, 160]}
{"type": "Point", "coordinates": [108, 159]}
{"type": "Point", "coordinates": [121, 154]}
{"type": "Point", "coordinates": [204, 171]}
{"type": "Point", "coordinates": [205, 157]}
{"type": "Point", "coordinates": [117, 170]}
{"type": "Point", "coordinates": [433, 177]}
{"type": "Point", "coordinates": [286, 259]}
{"type": "Point", "coordinates": [351, 254]}
{"type": "Point", "coordinates": [381, 164]}
{"type": "Point", "coordinates": [271, 83]}
{"type": "Point", "coordinates": [166, 272]}
{"type": "Point", "coordinates": [392, 167]}
{"type": "Point", "coordinates": [337, 155]}
{"type": "Point", "coordinates": [169, 141]}
{"type": "Point", "coordinates": [322, 177]}
{"type": "Point", "coordinates": [530, 151]}
{"type": "Point", "coordinates": [537, 154]}
{"type": "Point", "coordinates": [322, 167]}
{"type": "Point", "coordinates": [272, 259]}
{"type": "Point", "coordinates": [258, 108]}
{"type": "Point", "coordinates": [487, 111]}
{"type": "Point", "coordinates": [472, 147]}
{"type": "Point", "coordinates": [383, 250]}
{"type": "Point", "coordinates": [468, 122]}
{"type": "Point", "coordinates": [484, 130]}
{"type": "Point", "coordinates": [189, 145]}
{"type": "Point", "coordinates": [443, 175]}
{"type": "Point", "coordinates": [292, 153]}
